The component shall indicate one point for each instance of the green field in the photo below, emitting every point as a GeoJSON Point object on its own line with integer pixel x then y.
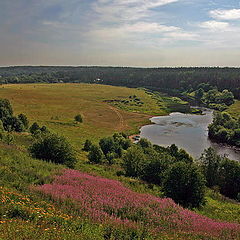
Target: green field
{"type": "Point", "coordinates": [55, 106]}
{"type": "Point", "coordinates": [234, 109]}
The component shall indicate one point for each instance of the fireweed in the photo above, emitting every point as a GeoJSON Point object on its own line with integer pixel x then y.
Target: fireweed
{"type": "Point", "coordinates": [108, 201]}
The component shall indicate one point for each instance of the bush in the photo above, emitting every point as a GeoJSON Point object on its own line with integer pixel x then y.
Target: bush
{"type": "Point", "coordinates": [54, 148]}
{"type": "Point", "coordinates": [210, 163]}
{"type": "Point", "coordinates": [34, 128]}
{"type": "Point", "coordinates": [134, 162]}
{"type": "Point", "coordinates": [13, 124]}
{"type": "Point", "coordinates": [78, 118]}
{"type": "Point", "coordinates": [95, 154]}
{"type": "Point", "coordinates": [87, 145]}
{"type": "Point", "coordinates": [24, 120]}
{"type": "Point", "coordinates": [230, 178]}
{"type": "Point", "coordinates": [185, 184]}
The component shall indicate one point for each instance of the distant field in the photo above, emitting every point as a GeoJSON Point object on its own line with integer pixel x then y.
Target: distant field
{"type": "Point", "coordinates": [55, 106]}
{"type": "Point", "coordinates": [234, 110]}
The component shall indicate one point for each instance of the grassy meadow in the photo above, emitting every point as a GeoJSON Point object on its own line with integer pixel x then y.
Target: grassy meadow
{"type": "Point", "coordinates": [234, 109]}
{"type": "Point", "coordinates": [29, 214]}
{"type": "Point", "coordinates": [55, 106]}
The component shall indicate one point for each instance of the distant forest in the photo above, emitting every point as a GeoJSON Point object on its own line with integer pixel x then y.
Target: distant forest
{"type": "Point", "coordinates": [171, 80]}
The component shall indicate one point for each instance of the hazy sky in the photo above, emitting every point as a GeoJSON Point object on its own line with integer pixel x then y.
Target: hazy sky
{"type": "Point", "coordinates": [120, 32]}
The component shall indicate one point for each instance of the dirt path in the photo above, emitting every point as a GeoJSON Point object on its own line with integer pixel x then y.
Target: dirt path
{"type": "Point", "coordinates": [121, 120]}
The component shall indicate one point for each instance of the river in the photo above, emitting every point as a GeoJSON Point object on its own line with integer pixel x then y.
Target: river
{"type": "Point", "coordinates": [187, 131]}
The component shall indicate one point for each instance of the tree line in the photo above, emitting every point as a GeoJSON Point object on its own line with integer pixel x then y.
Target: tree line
{"type": "Point", "coordinates": [171, 80]}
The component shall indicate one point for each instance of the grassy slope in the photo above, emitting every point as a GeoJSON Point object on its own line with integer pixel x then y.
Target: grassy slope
{"type": "Point", "coordinates": [65, 101]}
{"type": "Point", "coordinates": [234, 110]}
{"type": "Point", "coordinates": [56, 105]}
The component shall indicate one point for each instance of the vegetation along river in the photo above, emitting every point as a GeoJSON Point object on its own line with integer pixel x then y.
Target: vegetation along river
{"type": "Point", "coordinates": [187, 131]}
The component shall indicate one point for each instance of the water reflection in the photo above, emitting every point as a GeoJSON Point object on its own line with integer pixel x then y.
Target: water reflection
{"type": "Point", "coordinates": [187, 131]}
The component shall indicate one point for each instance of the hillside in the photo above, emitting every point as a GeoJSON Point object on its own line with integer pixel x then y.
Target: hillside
{"type": "Point", "coordinates": [56, 105]}
{"type": "Point", "coordinates": [43, 200]}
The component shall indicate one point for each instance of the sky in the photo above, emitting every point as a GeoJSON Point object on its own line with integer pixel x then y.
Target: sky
{"type": "Point", "coordinates": [144, 33]}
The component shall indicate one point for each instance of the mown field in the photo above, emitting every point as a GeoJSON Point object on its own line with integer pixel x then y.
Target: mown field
{"type": "Point", "coordinates": [28, 211]}
{"type": "Point", "coordinates": [55, 106]}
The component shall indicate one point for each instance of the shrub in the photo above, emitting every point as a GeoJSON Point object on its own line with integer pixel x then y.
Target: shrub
{"type": "Point", "coordinates": [78, 118]}
{"type": "Point", "coordinates": [185, 184]}
{"type": "Point", "coordinates": [210, 163]}
{"type": "Point", "coordinates": [95, 154]}
{"type": "Point", "coordinates": [230, 178]}
{"type": "Point", "coordinates": [35, 127]}
{"type": "Point", "coordinates": [13, 124]}
{"type": "Point", "coordinates": [54, 148]}
{"type": "Point", "coordinates": [24, 120]}
{"type": "Point", "coordinates": [87, 145]}
{"type": "Point", "coordinates": [134, 162]}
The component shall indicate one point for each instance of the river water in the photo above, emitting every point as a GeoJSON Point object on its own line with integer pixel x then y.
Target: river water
{"type": "Point", "coordinates": [187, 131]}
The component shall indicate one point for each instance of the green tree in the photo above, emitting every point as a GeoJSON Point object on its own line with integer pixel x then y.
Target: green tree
{"type": "Point", "coordinates": [230, 178]}
{"type": "Point", "coordinates": [210, 163]}
{"type": "Point", "coordinates": [13, 124]}
{"type": "Point", "coordinates": [185, 184]}
{"type": "Point", "coordinates": [144, 143]}
{"type": "Point", "coordinates": [5, 109]}
{"type": "Point", "coordinates": [87, 145]}
{"type": "Point", "coordinates": [35, 127]}
{"type": "Point", "coordinates": [95, 154]}
{"type": "Point", "coordinates": [24, 120]}
{"type": "Point", "coordinates": [199, 93]}
{"type": "Point", "coordinates": [134, 161]}
{"type": "Point", "coordinates": [107, 145]}
{"type": "Point", "coordinates": [54, 148]}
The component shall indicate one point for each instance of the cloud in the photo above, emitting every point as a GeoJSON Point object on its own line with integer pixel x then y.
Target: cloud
{"type": "Point", "coordinates": [127, 10]}
{"type": "Point", "coordinates": [215, 25]}
{"type": "Point", "coordinates": [232, 14]}
{"type": "Point", "coordinates": [145, 27]}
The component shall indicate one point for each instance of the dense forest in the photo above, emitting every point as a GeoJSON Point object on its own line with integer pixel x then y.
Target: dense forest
{"type": "Point", "coordinates": [170, 80]}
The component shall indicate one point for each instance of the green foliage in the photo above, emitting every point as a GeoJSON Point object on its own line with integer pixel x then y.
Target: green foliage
{"type": "Point", "coordinates": [54, 148]}
{"type": "Point", "coordinates": [134, 161]}
{"type": "Point", "coordinates": [5, 109]}
{"type": "Point", "coordinates": [34, 128]}
{"type": "Point", "coordinates": [24, 120]}
{"type": "Point", "coordinates": [10, 122]}
{"type": "Point", "coordinates": [225, 129]}
{"type": "Point", "coordinates": [179, 154]}
{"type": "Point", "coordinates": [221, 172]}
{"type": "Point", "coordinates": [13, 124]}
{"type": "Point", "coordinates": [199, 93]}
{"type": "Point", "coordinates": [78, 118]}
{"type": "Point", "coordinates": [113, 147]}
{"type": "Point", "coordinates": [95, 154]}
{"type": "Point", "coordinates": [87, 145]}
{"type": "Point", "coordinates": [229, 178]}
{"type": "Point", "coordinates": [144, 143]}
{"type": "Point", "coordinates": [215, 97]}
{"type": "Point", "coordinates": [210, 163]}
{"type": "Point", "coordinates": [185, 184]}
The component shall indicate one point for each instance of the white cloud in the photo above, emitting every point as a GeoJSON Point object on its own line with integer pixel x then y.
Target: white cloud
{"type": "Point", "coordinates": [144, 27]}
{"type": "Point", "coordinates": [232, 14]}
{"type": "Point", "coordinates": [215, 25]}
{"type": "Point", "coordinates": [125, 10]}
